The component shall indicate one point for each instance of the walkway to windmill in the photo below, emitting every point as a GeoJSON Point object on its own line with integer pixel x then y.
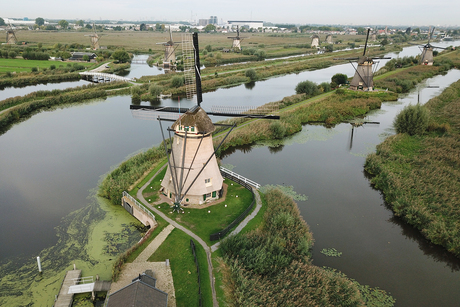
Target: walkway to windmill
{"type": "Point", "coordinates": [174, 224]}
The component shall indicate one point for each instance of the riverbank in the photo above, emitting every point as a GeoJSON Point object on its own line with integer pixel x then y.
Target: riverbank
{"type": "Point", "coordinates": [420, 175]}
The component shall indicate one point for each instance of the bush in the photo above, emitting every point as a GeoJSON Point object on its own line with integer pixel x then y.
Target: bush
{"type": "Point", "coordinates": [251, 74]}
{"type": "Point", "coordinates": [277, 129]}
{"type": "Point", "coordinates": [326, 87]}
{"type": "Point", "coordinates": [412, 120]}
{"type": "Point", "coordinates": [307, 87]}
{"type": "Point", "coordinates": [208, 48]}
{"type": "Point", "coordinates": [136, 90]}
{"type": "Point", "coordinates": [52, 67]}
{"type": "Point", "coordinates": [155, 90]}
{"type": "Point", "coordinates": [135, 99]}
{"type": "Point", "coordinates": [177, 81]}
{"type": "Point", "coordinates": [34, 69]}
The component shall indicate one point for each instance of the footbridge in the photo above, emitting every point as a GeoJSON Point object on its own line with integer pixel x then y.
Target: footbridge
{"type": "Point", "coordinates": [94, 76]}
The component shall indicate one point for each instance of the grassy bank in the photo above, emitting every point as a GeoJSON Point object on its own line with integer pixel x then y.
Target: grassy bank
{"type": "Point", "coordinates": [420, 175]}
{"type": "Point", "coordinates": [330, 108]}
{"type": "Point", "coordinates": [270, 266]}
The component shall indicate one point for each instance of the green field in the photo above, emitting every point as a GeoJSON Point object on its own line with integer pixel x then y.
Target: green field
{"type": "Point", "coordinates": [19, 65]}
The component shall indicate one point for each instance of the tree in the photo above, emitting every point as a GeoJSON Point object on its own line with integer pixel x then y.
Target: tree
{"type": "Point", "coordinates": [142, 27]}
{"type": "Point", "coordinates": [339, 79]}
{"type": "Point", "coordinates": [307, 87]}
{"type": "Point", "coordinates": [120, 55]}
{"type": "Point", "coordinates": [80, 23]}
{"type": "Point", "coordinates": [361, 31]}
{"type": "Point", "coordinates": [88, 26]}
{"type": "Point", "coordinates": [86, 58]}
{"type": "Point", "coordinates": [251, 74]}
{"type": "Point", "coordinates": [209, 28]}
{"type": "Point", "coordinates": [2, 22]}
{"type": "Point", "coordinates": [329, 48]}
{"type": "Point", "coordinates": [39, 21]}
{"type": "Point", "coordinates": [63, 23]}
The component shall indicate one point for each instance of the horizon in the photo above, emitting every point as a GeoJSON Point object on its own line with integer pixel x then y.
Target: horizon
{"type": "Point", "coordinates": [395, 13]}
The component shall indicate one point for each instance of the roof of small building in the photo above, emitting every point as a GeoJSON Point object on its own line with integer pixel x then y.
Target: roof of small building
{"type": "Point", "coordinates": [196, 117]}
{"type": "Point", "coordinates": [138, 294]}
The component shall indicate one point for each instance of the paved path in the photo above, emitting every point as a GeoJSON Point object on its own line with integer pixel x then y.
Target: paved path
{"type": "Point", "coordinates": [153, 246]}
{"type": "Point", "coordinates": [245, 221]}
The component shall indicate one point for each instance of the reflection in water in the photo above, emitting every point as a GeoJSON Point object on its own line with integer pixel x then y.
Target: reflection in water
{"type": "Point", "coordinates": [436, 252]}
{"type": "Point", "coordinates": [250, 85]}
{"type": "Point", "coordinates": [275, 149]}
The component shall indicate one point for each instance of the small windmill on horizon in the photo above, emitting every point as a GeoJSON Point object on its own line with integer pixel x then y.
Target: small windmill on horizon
{"type": "Point", "coordinates": [193, 175]}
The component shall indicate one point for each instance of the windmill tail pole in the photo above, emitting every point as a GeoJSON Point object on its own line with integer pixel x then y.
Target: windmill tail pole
{"type": "Point", "coordinates": [365, 45]}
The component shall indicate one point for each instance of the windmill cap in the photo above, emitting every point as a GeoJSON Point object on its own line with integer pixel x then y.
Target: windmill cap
{"type": "Point", "coordinates": [196, 117]}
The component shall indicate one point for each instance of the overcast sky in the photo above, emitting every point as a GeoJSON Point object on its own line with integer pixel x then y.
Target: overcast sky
{"type": "Point", "coordinates": [355, 12]}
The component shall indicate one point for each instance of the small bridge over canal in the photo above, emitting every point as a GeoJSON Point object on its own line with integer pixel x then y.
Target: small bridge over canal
{"type": "Point", "coordinates": [103, 77]}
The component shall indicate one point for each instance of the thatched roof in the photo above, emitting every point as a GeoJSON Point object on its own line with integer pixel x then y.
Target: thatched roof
{"type": "Point", "coordinates": [196, 117]}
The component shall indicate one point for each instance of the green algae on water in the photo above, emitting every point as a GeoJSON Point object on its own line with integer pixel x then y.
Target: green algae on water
{"type": "Point", "coordinates": [91, 238]}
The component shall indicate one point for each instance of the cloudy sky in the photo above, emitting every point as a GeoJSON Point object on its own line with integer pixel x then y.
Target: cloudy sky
{"type": "Point", "coordinates": [356, 12]}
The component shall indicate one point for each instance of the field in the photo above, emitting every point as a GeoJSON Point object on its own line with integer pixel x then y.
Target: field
{"type": "Point", "coordinates": [19, 65]}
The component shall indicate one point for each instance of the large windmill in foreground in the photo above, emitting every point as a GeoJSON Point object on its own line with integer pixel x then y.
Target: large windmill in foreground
{"type": "Point", "coordinates": [170, 51]}
{"type": "Point", "coordinates": [11, 36]}
{"type": "Point", "coordinates": [193, 176]}
{"type": "Point", "coordinates": [236, 43]}
{"type": "Point", "coordinates": [426, 58]}
{"type": "Point", "coordinates": [364, 73]}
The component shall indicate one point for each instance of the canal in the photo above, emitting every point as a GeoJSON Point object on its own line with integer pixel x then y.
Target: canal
{"type": "Point", "coordinates": [53, 162]}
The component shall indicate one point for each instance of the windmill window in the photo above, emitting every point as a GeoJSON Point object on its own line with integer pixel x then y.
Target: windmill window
{"type": "Point", "coordinates": [193, 129]}
{"type": "Point", "coordinates": [186, 128]}
{"type": "Point", "coordinates": [208, 182]}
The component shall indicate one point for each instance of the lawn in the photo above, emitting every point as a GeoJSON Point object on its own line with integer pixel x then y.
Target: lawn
{"type": "Point", "coordinates": [177, 249]}
{"type": "Point", "coordinates": [213, 218]}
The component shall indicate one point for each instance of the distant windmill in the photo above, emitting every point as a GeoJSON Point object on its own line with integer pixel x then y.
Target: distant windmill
{"type": "Point", "coordinates": [193, 176]}
{"type": "Point", "coordinates": [315, 41]}
{"type": "Point", "coordinates": [364, 74]}
{"type": "Point", "coordinates": [11, 36]}
{"type": "Point", "coordinates": [170, 51]}
{"type": "Point", "coordinates": [329, 38]}
{"type": "Point", "coordinates": [94, 37]}
{"type": "Point", "coordinates": [236, 44]}
{"type": "Point", "coordinates": [426, 58]}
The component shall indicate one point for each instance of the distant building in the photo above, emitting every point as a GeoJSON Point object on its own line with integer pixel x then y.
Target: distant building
{"type": "Point", "coordinates": [78, 56]}
{"type": "Point", "coordinates": [203, 22]}
{"type": "Point", "coordinates": [246, 24]}
{"type": "Point", "coordinates": [213, 20]}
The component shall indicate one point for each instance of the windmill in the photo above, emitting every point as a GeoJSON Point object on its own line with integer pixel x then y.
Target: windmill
{"type": "Point", "coordinates": [364, 74]}
{"type": "Point", "coordinates": [170, 51]}
{"type": "Point", "coordinates": [94, 37]}
{"type": "Point", "coordinates": [426, 58]}
{"type": "Point", "coordinates": [329, 38]}
{"type": "Point", "coordinates": [11, 36]}
{"type": "Point", "coordinates": [193, 176]}
{"type": "Point", "coordinates": [236, 44]}
{"type": "Point", "coordinates": [315, 41]}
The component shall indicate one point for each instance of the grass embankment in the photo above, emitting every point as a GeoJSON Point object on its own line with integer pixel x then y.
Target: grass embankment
{"type": "Point", "coordinates": [330, 108]}
{"type": "Point", "coordinates": [420, 175]}
{"type": "Point", "coordinates": [271, 266]}
{"type": "Point", "coordinates": [404, 79]}
{"type": "Point", "coordinates": [17, 109]}
{"type": "Point", "coordinates": [177, 249]}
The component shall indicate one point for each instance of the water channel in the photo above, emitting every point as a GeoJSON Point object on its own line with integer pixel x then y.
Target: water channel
{"type": "Point", "coordinates": [54, 160]}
